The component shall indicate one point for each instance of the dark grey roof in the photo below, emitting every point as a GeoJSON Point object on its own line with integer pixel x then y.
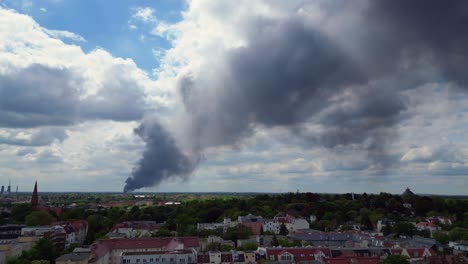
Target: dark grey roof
{"type": "Point", "coordinates": [322, 236]}
{"type": "Point", "coordinates": [74, 256]}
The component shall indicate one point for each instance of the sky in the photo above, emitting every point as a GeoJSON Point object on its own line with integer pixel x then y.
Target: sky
{"type": "Point", "coordinates": [234, 96]}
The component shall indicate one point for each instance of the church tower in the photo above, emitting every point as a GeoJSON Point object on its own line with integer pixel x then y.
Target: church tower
{"type": "Point", "coordinates": [35, 197]}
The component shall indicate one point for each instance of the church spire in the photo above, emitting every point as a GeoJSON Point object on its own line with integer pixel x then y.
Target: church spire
{"type": "Point", "coordinates": [35, 198]}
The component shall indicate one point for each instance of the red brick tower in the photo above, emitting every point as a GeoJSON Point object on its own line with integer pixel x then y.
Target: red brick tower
{"type": "Point", "coordinates": [35, 197]}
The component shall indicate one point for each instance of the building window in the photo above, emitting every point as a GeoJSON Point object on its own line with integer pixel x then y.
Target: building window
{"type": "Point", "coordinates": [138, 260]}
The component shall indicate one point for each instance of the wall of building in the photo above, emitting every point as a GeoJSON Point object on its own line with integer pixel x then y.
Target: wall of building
{"type": "Point", "coordinates": [166, 258]}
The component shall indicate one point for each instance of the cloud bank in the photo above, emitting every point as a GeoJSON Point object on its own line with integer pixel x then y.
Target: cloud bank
{"type": "Point", "coordinates": [332, 73]}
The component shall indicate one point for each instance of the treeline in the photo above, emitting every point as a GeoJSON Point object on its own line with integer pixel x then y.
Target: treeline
{"type": "Point", "coordinates": [331, 211]}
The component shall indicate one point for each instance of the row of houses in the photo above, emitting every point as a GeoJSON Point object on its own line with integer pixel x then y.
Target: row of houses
{"type": "Point", "coordinates": [258, 224]}
{"type": "Point", "coordinates": [189, 250]}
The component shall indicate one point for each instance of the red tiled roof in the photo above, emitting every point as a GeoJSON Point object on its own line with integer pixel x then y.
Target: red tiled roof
{"type": "Point", "coordinates": [418, 252]}
{"type": "Point", "coordinates": [353, 260]}
{"type": "Point", "coordinates": [396, 251]}
{"type": "Point", "coordinates": [426, 224]}
{"type": "Point", "coordinates": [101, 247]}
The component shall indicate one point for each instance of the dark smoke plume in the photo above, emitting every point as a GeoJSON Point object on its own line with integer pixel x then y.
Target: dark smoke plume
{"type": "Point", "coordinates": [161, 158]}
{"type": "Point", "coordinates": [290, 74]}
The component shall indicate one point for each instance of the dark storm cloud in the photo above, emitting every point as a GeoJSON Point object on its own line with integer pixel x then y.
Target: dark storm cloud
{"type": "Point", "coordinates": [290, 75]}
{"type": "Point", "coordinates": [286, 76]}
{"type": "Point", "coordinates": [40, 95]}
{"type": "Point", "coordinates": [162, 158]}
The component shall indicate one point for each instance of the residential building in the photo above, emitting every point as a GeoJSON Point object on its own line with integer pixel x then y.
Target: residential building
{"type": "Point", "coordinates": [135, 229]}
{"type": "Point", "coordinates": [460, 246]}
{"type": "Point", "coordinates": [14, 248]}
{"type": "Point", "coordinates": [324, 239]}
{"type": "Point", "coordinates": [74, 258]}
{"type": "Point", "coordinates": [296, 255]}
{"type": "Point", "coordinates": [35, 231]}
{"type": "Point", "coordinates": [10, 231]}
{"type": "Point", "coordinates": [384, 222]}
{"type": "Point", "coordinates": [255, 227]}
{"type": "Point", "coordinates": [271, 226]}
{"type": "Point", "coordinates": [227, 223]}
{"type": "Point", "coordinates": [427, 226]}
{"type": "Point", "coordinates": [109, 251]}
{"type": "Point", "coordinates": [293, 224]}
{"type": "Point", "coordinates": [160, 257]}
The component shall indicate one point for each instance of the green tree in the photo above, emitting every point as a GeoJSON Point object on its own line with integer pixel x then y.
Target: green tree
{"type": "Point", "coordinates": [365, 219]}
{"type": "Point", "coordinates": [226, 248]}
{"type": "Point", "coordinates": [441, 238]}
{"type": "Point", "coordinates": [404, 228]}
{"type": "Point", "coordinates": [38, 218]}
{"type": "Point", "coordinates": [19, 212]}
{"type": "Point", "coordinates": [239, 232]}
{"type": "Point", "coordinates": [46, 250]}
{"type": "Point", "coordinates": [274, 241]}
{"type": "Point", "coordinates": [283, 230]}
{"type": "Point", "coordinates": [395, 259]}
{"type": "Point", "coordinates": [458, 233]}
{"type": "Point", "coordinates": [387, 229]}
{"type": "Point", "coordinates": [249, 246]}
{"type": "Point", "coordinates": [18, 261]}
{"type": "Point", "coordinates": [40, 262]}
{"type": "Point", "coordinates": [98, 226]}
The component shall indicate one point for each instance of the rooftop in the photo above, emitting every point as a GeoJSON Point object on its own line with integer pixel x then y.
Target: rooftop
{"type": "Point", "coordinates": [76, 256]}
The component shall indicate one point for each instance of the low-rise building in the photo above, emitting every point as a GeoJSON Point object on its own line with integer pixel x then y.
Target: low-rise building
{"type": "Point", "coordinates": [74, 258]}
{"type": "Point", "coordinates": [14, 248]}
{"type": "Point", "coordinates": [10, 231]}
{"type": "Point", "coordinates": [427, 226]}
{"type": "Point", "coordinates": [227, 223]}
{"type": "Point", "coordinates": [109, 251]}
{"type": "Point", "coordinates": [271, 226]}
{"type": "Point", "coordinates": [135, 229]}
{"type": "Point", "coordinates": [324, 239]}
{"type": "Point", "coordinates": [460, 246]}
{"type": "Point", "coordinates": [35, 231]}
{"type": "Point", "coordinates": [160, 257]}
